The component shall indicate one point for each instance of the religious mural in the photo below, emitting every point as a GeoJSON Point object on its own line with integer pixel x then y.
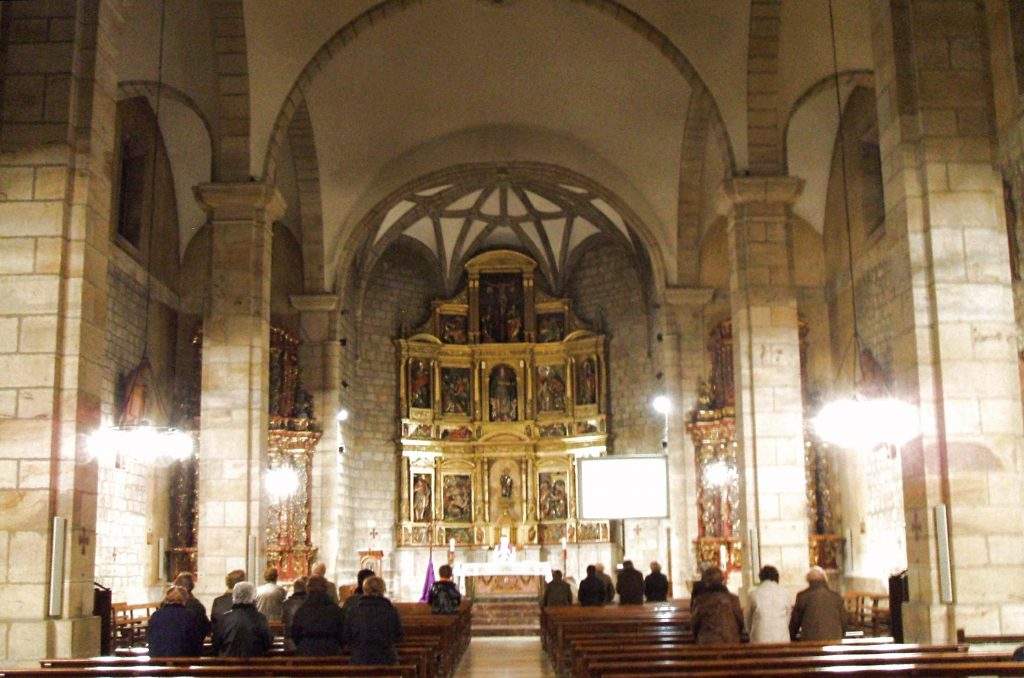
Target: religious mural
{"type": "Point", "coordinates": [453, 329]}
{"type": "Point", "coordinates": [501, 307]}
{"type": "Point", "coordinates": [552, 496]}
{"type": "Point", "coordinates": [455, 390]}
{"type": "Point", "coordinates": [422, 497]}
{"type": "Point", "coordinates": [457, 498]}
{"type": "Point", "coordinates": [503, 393]}
{"type": "Point", "coordinates": [486, 394]}
{"type": "Point", "coordinates": [550, 327]}
{"type": "Point", "coordinates": [586, 382]}
{"type": "Point", "coordinates": [420, 384]}
{"type": "Point", "coordinates": [550, 388]}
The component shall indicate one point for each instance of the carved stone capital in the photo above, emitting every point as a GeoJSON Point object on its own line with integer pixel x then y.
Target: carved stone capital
{"type": "Point", "coordinates": [773, 190]}
{"type": "Point", "coordinates": [314, 302]}
{"type": "Point", "coordinates": [247, 201]}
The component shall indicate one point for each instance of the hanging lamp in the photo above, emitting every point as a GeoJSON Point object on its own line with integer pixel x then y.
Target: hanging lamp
{"type": "Point", "coordinates": [871, 418]}
{"type": "Point", "coordinates": [134, 435]}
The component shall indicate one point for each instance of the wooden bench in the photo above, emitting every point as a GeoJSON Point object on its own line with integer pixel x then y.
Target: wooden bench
{"type": "Point", "coordinates": [584, 657]}
{"type": "Point", "coordinates": [794, 665]}
{"type": "Point", "coordinates": [130, 621]}
{"type": "Point", "coordinates": [397, 671]}
{"type": "Point", "coordinates": [962, 637]}
{"type": "Point", "coordinates": [936, 670]}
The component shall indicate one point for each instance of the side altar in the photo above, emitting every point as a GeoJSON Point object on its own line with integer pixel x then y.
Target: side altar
{"type": "Point", "coordinates": [500, 392]}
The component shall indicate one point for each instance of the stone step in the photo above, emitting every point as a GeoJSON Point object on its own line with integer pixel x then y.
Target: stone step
{"type": "Point", "coordinates": [506, 618]}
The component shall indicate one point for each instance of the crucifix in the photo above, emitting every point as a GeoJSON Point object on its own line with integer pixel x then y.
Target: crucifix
{"type": "Point", "coordinates": [637, 530]}
{"type": "Point", "coordinates": [373, 536]}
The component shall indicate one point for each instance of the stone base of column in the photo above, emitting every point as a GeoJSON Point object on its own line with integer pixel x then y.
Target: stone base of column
{"type": "Point", "coordinates": [926, 623]}
{"type": "Point", "coordinates": [28, 641]}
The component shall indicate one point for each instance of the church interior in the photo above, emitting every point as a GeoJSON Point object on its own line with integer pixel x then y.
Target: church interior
{"type": "Point", "coordinates": [376, 283]}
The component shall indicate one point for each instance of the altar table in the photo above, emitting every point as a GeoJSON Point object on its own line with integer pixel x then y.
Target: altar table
{"type": "Point", "coordinates": [502, 578]}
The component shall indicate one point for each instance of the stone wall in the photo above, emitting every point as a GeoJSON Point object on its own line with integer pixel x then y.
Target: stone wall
{"type": "Point", "coordinates": [397, 299]}
{"type": "Point", "coordinates": [606, 292]}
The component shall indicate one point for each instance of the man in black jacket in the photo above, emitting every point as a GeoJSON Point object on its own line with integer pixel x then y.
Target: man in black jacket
{"type": "Point", "coordinates": [318, 626]}
{"type": "Point", "coordinates": [353, 599]}
{"type": "Point", "coordinates": [243, 631]}
{"type": "Point", "coordinates": [656, 584]}
{"type": "Point", "coordinates": [291, 606]}
{"type": "Point", "coordinates": [630, 585]}
{"type": "Point", "coordinates": [557, 592]}
{"type": "Point", "coordinates": [222, 603]}
{"type": "Point", "coordinates": [444, 596]}
{"type": "Point", "coordinates": [592, 589]}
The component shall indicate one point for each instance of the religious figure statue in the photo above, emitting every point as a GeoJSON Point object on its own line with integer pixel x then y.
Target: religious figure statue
{"type": "Point", "coordinates": [419, 384]}
{"type": "Point", "coordinates": [586, 383]}
{"type": "Point", "coordinates": [504, 552]}
{"type": "Point", "coordinates": [421, 498]}
{"type": "Point", "coordinates": [506, 486]}
{"type": "Point", "coordinates": [503, 394]}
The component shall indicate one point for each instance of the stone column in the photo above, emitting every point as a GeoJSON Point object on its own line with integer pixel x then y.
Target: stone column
{"type": "Point", "coordinates": [236, 346]}
{"type": "Point", "coordinates": [320, 364]}
{"type": "Point", "coordinates": [766, 354]}
{"type": "Point", "coordinates": [954, 345]}
{"type": "Point", "coordinates": [56, 140]}
{"type": "Point", "coordinates": [684, 360]}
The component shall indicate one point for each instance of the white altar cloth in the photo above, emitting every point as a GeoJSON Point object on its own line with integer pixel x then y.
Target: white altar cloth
{"type": "Point", "coordinates": [523, 568]}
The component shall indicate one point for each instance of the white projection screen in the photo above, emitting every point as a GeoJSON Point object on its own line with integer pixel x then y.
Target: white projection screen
{"type": "Point", "coordinates": [612, 488]}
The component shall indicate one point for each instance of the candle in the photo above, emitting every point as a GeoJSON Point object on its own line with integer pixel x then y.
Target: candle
{"type": "Point", "coordinates": [564, 543]}
{"type": "Point", "coordinates": [451, 544]}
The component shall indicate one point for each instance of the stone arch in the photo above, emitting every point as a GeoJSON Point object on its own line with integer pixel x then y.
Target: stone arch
{"type": "Point", "coordinates": [231, 145]}
{"type": "Point", "coordinates": [365, 22]}
{"type": "Point", "coordinates": [150, 88]}
{"type": "Point", "coordinates": [851, 78]}
{"type": "Point", "coordinates": [307, 174]}
{"type": "Point", "coordinates": [764, 143]}
{"type": "Point", "coordinates": [692, 167]}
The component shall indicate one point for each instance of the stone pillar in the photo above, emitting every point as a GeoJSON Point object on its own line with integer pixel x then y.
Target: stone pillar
{"type": "Point", "coordinates": [56, 140]}
{"type": "Point", "coordinates": [320, 364]}
{"type": "Point", "coordinates": [766, 354]}
{"type": "Point", "coordinates": [236, 346]}
{"type": "Point", "coordinates": [954, 346]}
{"type": "Point", "coordinates": [684, 360]}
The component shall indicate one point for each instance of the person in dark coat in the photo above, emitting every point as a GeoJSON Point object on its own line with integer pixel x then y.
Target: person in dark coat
{"type": "Point", "coordinates": [592, 590]}
{"type": "Point", "coordinates": [609, 586]}
{"type": "Point", "coordinates": [291, 606]}
{"type": "Point", "coordinates": [372, 627]}
{"type": "Point", "coordinates": [318, 626]}
{"type": "Point", "coordinates": [361, 578]}
{"type": "Point", "coordinates": [186, 581]}
{"type": "Point", "coordinates": [717, 617]}
{"type": "Point", "coordinates": [630, 585]}
{"type": "Point", "coordinates": [656, 585]}
{"type": "Point", "coordinates": [818, 613]}
{"type": "Point", "coordinates": [174, 630]}
{"type": "Point", "coordinates": [242, 632]}
{"type": "Point", "coordinates": [222, 603]}
{"type": "Point", "coordinates": [557, 592]}
{"type": "Point", "coordinates": [444, 596]}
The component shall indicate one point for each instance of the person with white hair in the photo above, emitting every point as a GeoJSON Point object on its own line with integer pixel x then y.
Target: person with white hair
{"type": "Point", "coordinates": [243, 631]}
{"type": "Point", "coordinates": [319, 569]}
{"type": "Point", "coordinates": [818, 613]}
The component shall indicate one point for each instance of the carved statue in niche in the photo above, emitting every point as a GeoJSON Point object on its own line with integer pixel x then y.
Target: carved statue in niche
{"type": "Point", "coordinates": [421, 494]}
{"type": "Point", "coordinates": [550, 388]}
{"type": "Point", "coordinates": [550, 327]}
{"type": "Point", "coordinates": [503, 394]}
{"type": "Point", "coordinates": [456, 492]}
{"type": "Point", "coordinates": [419, 384]}
{"type": "Point", "coordinates": [455, 390]}
{"type": "Point", "coordinates": [552, 496]}
{"type": "Point", "coordinates": [586, 382]}
{"type": "Point", "coordinates": [453, 329]}
{"type": "Point", "coordinates": [501, 307]}
{"type": "Point", "coordinates": [506, 486]}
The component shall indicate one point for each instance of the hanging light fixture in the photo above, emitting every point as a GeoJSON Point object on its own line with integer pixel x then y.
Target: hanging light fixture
{"type": "Point", "coordinates": [281, 482]}
{"type": "Point", "coordinates": [869, 419]}
{"type": "Point", "coordinates": [134, 435]}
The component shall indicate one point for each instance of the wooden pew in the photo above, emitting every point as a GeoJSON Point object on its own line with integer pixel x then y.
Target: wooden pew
{"type": "Point", "coordinates": [795, 665]}
{"type": "Point", "coordinates": [583, 657]}
{"type": "Point", "coordinates": [962, 637]}
{"type": "Point", "coordinates": [928, 670]}
{"type": "Point", "coordinates": [397, 671]}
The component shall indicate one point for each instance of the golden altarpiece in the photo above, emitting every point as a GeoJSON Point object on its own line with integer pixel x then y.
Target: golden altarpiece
{"type": "Point", "coordinates": [712, 428]}
{"type": "Point", "coordinates": [500, 392]}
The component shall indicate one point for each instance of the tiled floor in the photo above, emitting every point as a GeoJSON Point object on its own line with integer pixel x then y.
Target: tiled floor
{"type": "Point", "coordinates": [506, 657]}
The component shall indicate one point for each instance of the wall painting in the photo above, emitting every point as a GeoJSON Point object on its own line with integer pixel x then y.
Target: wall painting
{"type": "Point", "coordinates": [586, 382]}
{"type": "Point", "coordinates": [453, 329]}
{"type": "Point", "coordinates": [501, 307]}
{"type": "Point", "coordinates": [420, 383]}
{"type": "Point", "coordinates": [550, 388]}
{"type": "Point", "coordinates": [422, 497]}
{"type": "Point", "coordinates": [552, 496]}
{"type": "Point", "coordinates": [550, 327]}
